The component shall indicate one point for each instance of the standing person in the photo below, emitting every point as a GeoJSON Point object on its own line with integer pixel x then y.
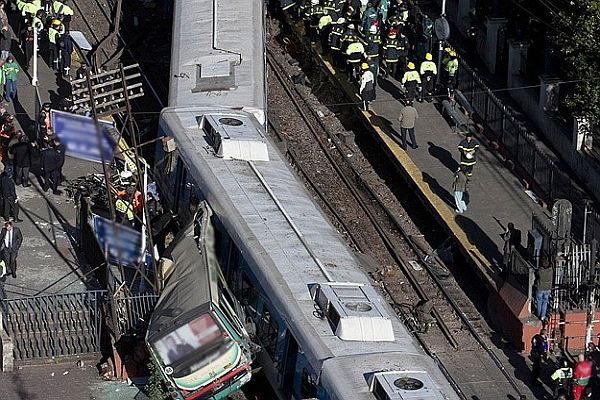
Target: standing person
{"type": "Point", "coordinates": [66, 50]}
{"type": "Point", "coordinates": [11, 71]}
{"type": "Point", "coordinates": [367, 86]}
{"type": "Point", "coordinates": [50, 165]}
{"type": "Point", "coordinates": [5, 41]}
{"type": "Point", "coordinates": [391, 53]}
{"type": "Point", "coordinates": [562, 378]}
{"type": "Point", "coordinates": [539, 347]}
{"type": "Point", "coordinates": [27, 45]}
{"type": "Point", "coordinates": [335, 43]}
{"type": "Point", "coordinates": [22, 160]}
{"type": "Point", "coordinates": [428, 72]}
{"type": "Point", "coordinates": [459, 186]}
{"type": "Point", "coordinates": [63, 12]}
{"type": "Point", "coordinates": [581, 376]}
{"type": "Point", "coordinates": [468, 148]}
{"type": "Point", "coordinates": [10, 208]}
{"type": "Point", "coordinates": [55, 31]}
{"type": "Point", "coordinates": [411, 82]}
{"type": "Point", "coordinates": [408, 117]}
{"type": "Point", "coordinates": [512, 238]}
{"type": "Point", "coordinates": [10, 243]}
{"type": "Point", "coordinates": [544, 279]}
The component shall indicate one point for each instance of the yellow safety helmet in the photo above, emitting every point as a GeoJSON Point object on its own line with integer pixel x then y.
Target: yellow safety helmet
{"type": "Point", "coordinates": [428, 57]}
{"type": "Point", "coordinates": [452, 53]}
{"type": "Point", "coordinates": [364, 66]}
{"type": "Point", "coordinates": [411, 65]}
{"type": "Point", "coordinates": [56, 22]}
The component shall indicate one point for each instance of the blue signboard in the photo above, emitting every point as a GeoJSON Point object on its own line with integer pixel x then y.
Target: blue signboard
{"type": "Point", "coordinates": [78, 134]}
{"type": "Point", "coordinates": [120, 242]}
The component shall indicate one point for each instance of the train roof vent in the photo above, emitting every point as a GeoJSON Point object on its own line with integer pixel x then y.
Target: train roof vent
{"type": "Point", "coordinates": [354, 311]}
{"type": "Point", "coordinates": [404, 385]}
{"type": "Point", "coordinates": [235, 137]}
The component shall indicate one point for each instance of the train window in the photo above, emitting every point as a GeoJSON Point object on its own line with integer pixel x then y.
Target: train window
{"type": "Point", "coordinates": [268, 332]}
{"type": "Point", "coordinates": [308, 386]}
{"type": "Point", "coordinates": [215, 75]}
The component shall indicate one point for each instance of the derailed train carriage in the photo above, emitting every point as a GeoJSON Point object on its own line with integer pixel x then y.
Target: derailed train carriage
{"type": "Point", "coordinates": [324, 331]}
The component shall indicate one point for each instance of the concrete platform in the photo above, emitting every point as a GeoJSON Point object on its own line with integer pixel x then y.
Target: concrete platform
{"type": "Point", "coordinates": [47, 261]}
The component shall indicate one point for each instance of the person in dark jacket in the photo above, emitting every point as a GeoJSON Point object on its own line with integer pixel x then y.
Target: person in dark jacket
{"type": "Point", "coordinates": [459, 187]}
{"type": "Point", "coordinates": [5, 42]}
{"type": "Point", "coordinates": [10, 243]}
{"type": "Point", "coordinates": [22, 159]}
{"type": "Point", "coordinates": [539, 351]}
{"type": "Point", "coordinates": [51, 164]}
{"type": "Point", "coordinates": [10, 208]}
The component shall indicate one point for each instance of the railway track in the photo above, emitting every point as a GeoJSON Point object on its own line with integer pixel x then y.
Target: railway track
{"type": "Point", "coordinates": [433, 307]}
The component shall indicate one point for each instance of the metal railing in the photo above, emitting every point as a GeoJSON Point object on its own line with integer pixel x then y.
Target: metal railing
{"type": "Point", "coordinates": [521, 147]}
{"type": "Point", "coordinates": [133, 312]}
{"type": "Point", "coordinates": [55, 325]}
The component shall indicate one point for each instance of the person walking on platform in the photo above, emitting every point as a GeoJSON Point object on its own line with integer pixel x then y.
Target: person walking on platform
{"type": "Point", "coordinates": [22, 159]}
{"type": "Point", "coordinates": [27, 45]}
{"type": "Point", "coordinates": [367, 86]}
{"type": "Point", "coordinates": [5, 42]}
{"type": "Point", "coordinates": [372, 49]}
{"type": "Point", "coordinates": [459, 187]}
{"type": "Point", "coordinates": [450, 70]}
{"type": "Point", "coordinates": [10, 208]}
{"type": "Point", "coordinates": [11, 71]}
{"type": "Point", "coordinates": [55, 31]}
{"type": "Point", "coordinates": [355, 52]}
{"type": "Point", "coordinates": [391, 54]}
{"type": "Point", "coordinates": [335, 43]}
{"type": "Point", "coordinates": [10, 243]}
{"type": "Point", "coordinates": [428, 72]}
{"type": "Point", "coordinates": [539, 349]}
{"type": "Point", "coordinates": [51, 164]}
{"type": "Point", "coordinates": [411, 82]}
{"type": "Point", "coordinates": [544, 280]}
{"type": "Point", "coordinates": [66, 50]}
{"type": "Point", "coordinates": [581, 376]}
{"type": "Point", "coordinates": [562, 378]}
{"type": "Point", "coordinates": [468, 147]}
{"type": "Point", "coordinates": [408, 117]}
{"type": "Point", "coordinates": [325, 26]}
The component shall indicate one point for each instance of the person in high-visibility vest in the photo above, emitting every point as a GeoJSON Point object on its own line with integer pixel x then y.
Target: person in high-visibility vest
{"type": "Point", "coordinates": [468, 148]}
{"type": "Point", "coordinates": [451, 70]}
{"type": "Point", "coordinates": [411, 82]}
{"type": "Point", "coordinates": [355, 51]}
{"type": "Point", "coordinates": [124, 210]}
{"type": "Point", "coordinates": [62, 12]}
{"type": "Point", "coordinates": [325, 27]}
{"type": "Point", "coordinates": [372, 49]}
{"type": "Point", "coordinates": [391, 53]}
{"type": "Point", "coordinates": [428, 72]}
{"type": "Point", "coordinates": [54, 32]}
{"type": "Point", "coordinates": [312, 16]}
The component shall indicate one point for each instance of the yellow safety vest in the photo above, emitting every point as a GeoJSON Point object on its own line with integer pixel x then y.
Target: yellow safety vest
{"type": "Point", "coordinates": [411, 76]}
{"type": "Point", "coordinates": [53, 32]}
{"type": "Point", "coordinates": [124, 207]}
{"type": "Point", "coordinates": [60, 8]}
{"type": "Point", "coordinates": [428, 66]}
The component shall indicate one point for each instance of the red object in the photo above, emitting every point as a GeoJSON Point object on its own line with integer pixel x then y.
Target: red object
{"type": "Point", "coordinates": [583, 370]}
{"type": "Point", "coordinates": [577, 391]}
{"type": "Point", "coordinates": [392, 32]}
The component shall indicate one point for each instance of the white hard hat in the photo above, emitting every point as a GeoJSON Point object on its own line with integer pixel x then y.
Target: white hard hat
{"type": "Point", "coordinates": [341, 20]}
{"type": "Point", "coordinates": [314, 2]}
{"type": "Point", "coordinates": [373, 29]}
{"type": "Point", "coordinates": [351, 26]}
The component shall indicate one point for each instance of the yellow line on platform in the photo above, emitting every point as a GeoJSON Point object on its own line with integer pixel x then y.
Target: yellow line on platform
{"type": "Point", "coordinates": [469, 250]}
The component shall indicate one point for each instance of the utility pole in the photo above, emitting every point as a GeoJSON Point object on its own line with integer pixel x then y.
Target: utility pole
{"type": "Point", "coordinates": [34, 78]}
{"type": "Point", "coordinates": [442, 32]}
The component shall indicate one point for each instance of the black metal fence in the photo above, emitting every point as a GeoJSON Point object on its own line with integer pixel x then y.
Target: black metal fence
{"type": "Point", "coordinates": [55, 325]}
{"type": "Point", "coordinates": [133, 312]}
{"type": "Point", "coordinates": [521, 147]}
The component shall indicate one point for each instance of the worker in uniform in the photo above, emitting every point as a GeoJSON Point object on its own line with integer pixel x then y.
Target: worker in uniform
{"type": "Point", "coordinates": [54, 32]}
{"type": "Point", "coordinates": [411, 82]}
{"type": "Point", "coordinates": [367, 86]}
{"type": "Point", "coordinates": [355, 52]}
{"type": "Point", "coordinates": [372, 49]}
{"type": "Point", "coordinates": [124, 209]}
{"type": "Point", "coordinates": [66, 50]}
{"type": "Point", "coordinates": [335, 43]}
{"type": "Point", "coordinates": [539, 349]}
{"type": "Point", "coordinates": [63, 12]}
{"type": "Point", "coordinates": [325, 26]}
{"type": "Point", "coordinates": [334, 8]}
{"type": "Point", "coordinates": [451, 71]}
{"type": "Point", "coordinates": [581, 376]}
{"type": "Point", "coordinates": [391, 53]}
{"type": "Point", "coordinates": [403, 48]}
{"type": "Point", "coordinates": [562, 378]}
{"type": "Point", "coordinates": [353, 11]}
{"type": "Point", "coordinates": [313, 15]}
{"type": "Point", "coordinates": [468, 148]}
{"type": "Point", "coordinates": [428, 72]}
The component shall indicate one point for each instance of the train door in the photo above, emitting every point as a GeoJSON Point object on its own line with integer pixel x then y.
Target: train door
{"type": "Point", "coordinates": [288, 372]}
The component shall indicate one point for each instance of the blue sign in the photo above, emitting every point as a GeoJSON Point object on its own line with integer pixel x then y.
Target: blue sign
{"type": "Point", "coordinates": [122, 244]}
{"type": "Point", "coordinates": [79, 135]}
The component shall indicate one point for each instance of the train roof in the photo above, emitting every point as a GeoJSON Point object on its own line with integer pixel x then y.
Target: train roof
{"type": "Point", "coordinates": [246, 196]}
{"type": "Point", "coordinates": [189, 286]}
{"type": "Point", "coordinates": [218, 54]}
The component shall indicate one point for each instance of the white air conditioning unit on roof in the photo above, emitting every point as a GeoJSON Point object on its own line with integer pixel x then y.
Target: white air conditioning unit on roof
{"type": "Point", "coordinates": [404, 385]}
{"type": "Point", "coordinates": [235, 137]}
{"type": "Point", "coordinates": [354, 311]}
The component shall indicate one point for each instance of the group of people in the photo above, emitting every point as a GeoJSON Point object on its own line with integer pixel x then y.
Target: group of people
{"type": "Point", "coordinates": [50, 19]}
{"type": "Point", "coordinates": [364, 37]}
{"type": "Point", "coordinates": [569, 383]}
